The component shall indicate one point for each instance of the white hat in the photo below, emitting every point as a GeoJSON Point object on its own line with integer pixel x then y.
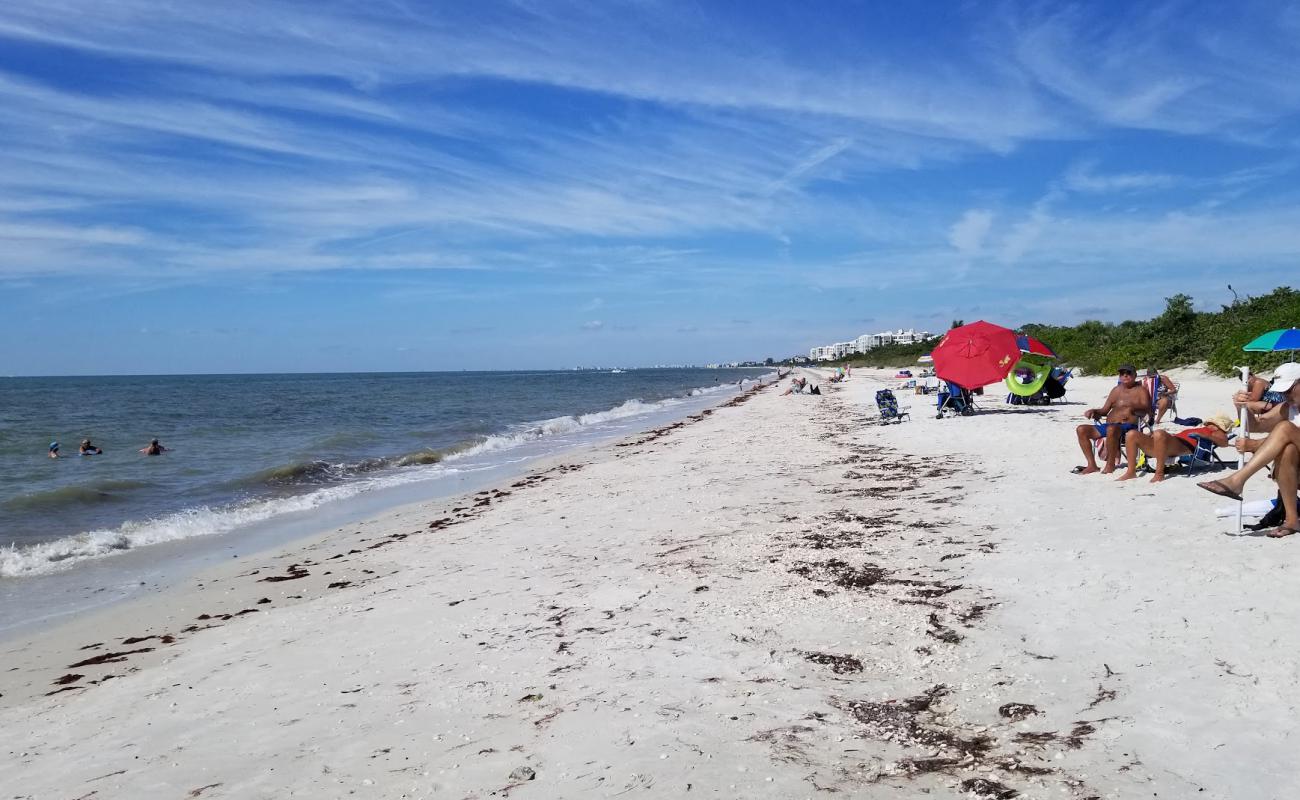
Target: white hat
{"type": "Point", "coordinates": [1284, 376]}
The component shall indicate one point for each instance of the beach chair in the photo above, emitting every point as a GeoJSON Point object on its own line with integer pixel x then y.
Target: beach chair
{"type": "Point", "coordinates": [888, 406]}
{"type": "Point", "coordinates": [954, 399]}
{"type": "Point", "coordinates": [1153, 386]}
{"type": "Point", "coordinates": [1205, 456]}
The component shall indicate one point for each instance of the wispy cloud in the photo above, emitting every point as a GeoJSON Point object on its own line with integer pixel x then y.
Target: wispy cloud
{"type": "Point", "coordinates": [592, 149]}
{"type": "Point", "coordinates": [1164, 66]}
{"type": "Point", "coordinates": [1082, 177]}
{"type": "Point", "coordinates": [968, 233]}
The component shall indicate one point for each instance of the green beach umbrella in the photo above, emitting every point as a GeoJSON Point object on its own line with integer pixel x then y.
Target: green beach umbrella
{"type": "Point", "coordinates": [1273, 341]}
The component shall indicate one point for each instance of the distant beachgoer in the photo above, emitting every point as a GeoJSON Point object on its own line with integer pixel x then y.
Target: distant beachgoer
{"type": "Point", "coordinates": [153, 449]}
{"type": "Point", "coordinates": [1281, 450]}
{"type": "Point", "coordinates": [54, 449]}
{"type": "Point", "coordinates": [1125, 404]}
{"type": "Point", "coordinates": [1163, 391]}
{"type": "Point", "coordinates": [88, 449]}
{"type": "Point", "coordinates": [796, 386]}
{"type": "Point", "coordinates": [1160, 445]}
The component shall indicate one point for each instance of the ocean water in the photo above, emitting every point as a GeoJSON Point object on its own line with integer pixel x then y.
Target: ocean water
{"type": "Point", "coordinates": [245, 450]}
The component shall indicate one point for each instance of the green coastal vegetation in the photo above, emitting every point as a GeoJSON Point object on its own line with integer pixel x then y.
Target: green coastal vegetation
{"type": "Point", "coordinates": [1178, 337]}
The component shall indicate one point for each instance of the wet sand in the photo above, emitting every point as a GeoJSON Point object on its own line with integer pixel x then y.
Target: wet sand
{"type": "Point", "coordinates": [778, 598]}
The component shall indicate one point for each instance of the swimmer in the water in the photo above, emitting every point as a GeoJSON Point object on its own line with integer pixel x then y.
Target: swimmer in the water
{"type": "Point", "coordinates": [54, 449]}
{"type": "Point", "coordinates": [88, 449]}
{"type": "Point", "coordinates": [154, 449]}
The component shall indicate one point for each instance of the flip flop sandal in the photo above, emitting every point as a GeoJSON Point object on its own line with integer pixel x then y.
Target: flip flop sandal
{"type": "Point", "coordinates": [1217, 487]}
{"type": "Point", "coordinates": [1077, 470]}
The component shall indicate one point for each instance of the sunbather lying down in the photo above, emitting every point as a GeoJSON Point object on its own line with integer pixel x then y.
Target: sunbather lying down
{"type": "Point", "coordinates": [1281, 449]}
{"type": "Point", "coordinates": [1162, 445]}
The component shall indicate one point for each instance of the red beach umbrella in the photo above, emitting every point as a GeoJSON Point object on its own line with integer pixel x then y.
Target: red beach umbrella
{"type": "Point", "coordinates": [976, 355]}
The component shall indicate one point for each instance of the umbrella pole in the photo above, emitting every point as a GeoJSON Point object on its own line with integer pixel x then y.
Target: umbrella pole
{"type": "Point", "coordinates": [1241, 457]}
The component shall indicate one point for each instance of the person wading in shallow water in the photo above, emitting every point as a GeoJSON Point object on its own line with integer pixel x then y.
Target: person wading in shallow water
{"type": "Point", "coordinates": [1124, 405]}
{"type": "Point", "coordinates": [153, 449]}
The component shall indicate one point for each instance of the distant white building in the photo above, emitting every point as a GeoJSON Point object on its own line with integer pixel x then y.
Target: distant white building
{"type": "Point", "coordinates": [910, 336]}
{"type": "Point", "coordinates": [867, 342]}
{"type": "Point", "coordinates": [870, 341]}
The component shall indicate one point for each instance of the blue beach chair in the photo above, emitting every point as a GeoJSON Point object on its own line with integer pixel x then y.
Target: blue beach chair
{"type": "Point", "coordinates": [888, 406]}
{"type": "Point", "coordinates": [1205, 456]}
{"type": "Point", "coordinates": [955, 399]}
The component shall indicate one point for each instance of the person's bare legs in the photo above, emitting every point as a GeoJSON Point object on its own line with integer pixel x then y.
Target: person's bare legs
{"type": "Point", "coordinates": [1162, 405]}
{"type": "Point", "coordinates": [1166, 442]}
{"type": "Point", "coordinates": [1287, 475]}
{"type": "Point", "coordinates": [1134, 442]}
{"type": "Point", "coordinates": [1113, 440]}
{"type": "Point", "coordinates": [1087, 435]}
{"type": "Point", "coordinates": [1283, 434]}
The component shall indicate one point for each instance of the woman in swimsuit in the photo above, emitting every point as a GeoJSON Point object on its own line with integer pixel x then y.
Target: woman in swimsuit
{"type": "Point", "coordinates": [1257, 397]}
{"type": "Point", "coordinates": [1281, 449]}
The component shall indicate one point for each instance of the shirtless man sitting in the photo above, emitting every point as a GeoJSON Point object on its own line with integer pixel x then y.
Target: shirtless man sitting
{"type": "Point", "coordinates": [1128, 401]}
{"type": "Point", "coordinates": [1160, 445]}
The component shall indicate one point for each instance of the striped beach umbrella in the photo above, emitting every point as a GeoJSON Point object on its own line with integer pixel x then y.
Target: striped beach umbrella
{"type": "Point", "coordinates": [1032, 346]}
{"type": "Point", "coordinates": [1271, 342]}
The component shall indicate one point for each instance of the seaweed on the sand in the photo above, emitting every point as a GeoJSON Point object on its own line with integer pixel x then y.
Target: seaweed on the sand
{"type": "Point", "coordinates": [841, 573]}
{"type": "Point", "coordinates": [108, 658]}
{"type": "Point", "coordinates": [986, 787]}
{"type": "Point", "coordinates": [940, 631]}
{"type": "Point", "coordinates": [1017, 711]}
{"type": "Point", "coordinates": [904, 721]}
{"type": "Point", "coordinates": [840, 665]}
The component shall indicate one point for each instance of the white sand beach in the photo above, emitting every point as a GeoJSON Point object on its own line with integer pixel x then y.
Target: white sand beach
{"type": "Point", "coordinates": [778, 598]}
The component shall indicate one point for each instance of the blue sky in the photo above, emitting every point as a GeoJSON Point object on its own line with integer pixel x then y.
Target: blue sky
{"type": "Point", "coordinates": [390, 185]}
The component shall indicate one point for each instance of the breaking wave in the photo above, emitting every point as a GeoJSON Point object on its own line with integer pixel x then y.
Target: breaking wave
{"type": "Point", "coordinates": [105, 491]}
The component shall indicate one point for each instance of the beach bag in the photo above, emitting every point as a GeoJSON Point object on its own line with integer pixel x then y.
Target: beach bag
{"type": "Point", "coordinates": [1275, 516]}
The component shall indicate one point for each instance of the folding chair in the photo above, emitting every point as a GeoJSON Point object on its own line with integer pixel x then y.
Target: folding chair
{"type": "Point", "coordinates": [888, 406]}
{"type": "Point", "coordinates": [955, 399]}
{"type": "Point", "coordinates": [1205, 456]}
